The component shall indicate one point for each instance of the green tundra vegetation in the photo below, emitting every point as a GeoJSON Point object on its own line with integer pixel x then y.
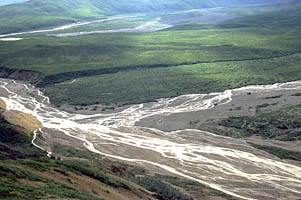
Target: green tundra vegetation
{"type": "Point", "coordinates": [126, 68]}
{"type": "Point", "coordinates": [283, 125]}
{"type": "Point", "coordinates": [17, 154]}
{"type": "Point", "coordinates": [156, 185]}
{"type": "Point", "coordinates": [197, 189]}
{"type": "Point", "coordinates": [279, 152]}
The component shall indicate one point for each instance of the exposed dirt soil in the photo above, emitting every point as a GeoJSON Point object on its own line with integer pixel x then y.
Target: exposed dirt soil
{"type": "Point", "coordinates": [27, 122]}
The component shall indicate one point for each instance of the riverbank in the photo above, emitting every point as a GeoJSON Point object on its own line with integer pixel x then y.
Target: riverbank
{"type": "Point", "coordinates": [246, 101]}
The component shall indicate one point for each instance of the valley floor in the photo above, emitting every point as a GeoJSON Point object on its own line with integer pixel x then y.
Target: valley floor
{"type": "Point", "coordinates": [202, 111]}
{"type": "Point", "coordinates": [129, 68]}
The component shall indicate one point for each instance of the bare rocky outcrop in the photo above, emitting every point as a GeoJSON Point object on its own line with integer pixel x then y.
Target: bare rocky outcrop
{"type": "Point", "coordinates": [2, 105]}
{"type": "Point", "coordinates": [25, 123]}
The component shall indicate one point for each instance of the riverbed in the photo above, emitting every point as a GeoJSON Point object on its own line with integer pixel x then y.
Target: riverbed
{"type": "Point", "coordinates": [226, 164]}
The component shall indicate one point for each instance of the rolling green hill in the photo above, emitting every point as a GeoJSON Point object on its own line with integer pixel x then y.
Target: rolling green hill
{"type": "Point", "coordinates": [46, 13]}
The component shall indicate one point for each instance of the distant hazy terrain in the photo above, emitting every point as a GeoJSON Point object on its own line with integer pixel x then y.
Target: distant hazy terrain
{"type": "Point", "coordinates": [6, 2]}
{"type": "Point", "coordinates": [36, 14]}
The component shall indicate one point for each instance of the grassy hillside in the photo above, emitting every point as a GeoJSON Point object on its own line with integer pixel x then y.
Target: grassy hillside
{"type": "Point", "coordinates": [46, 13]}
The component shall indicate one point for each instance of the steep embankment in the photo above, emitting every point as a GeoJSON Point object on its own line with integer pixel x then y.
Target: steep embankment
{"type": "Point", "coordinates": [22, 75]}
{"type": "Point", "coordinates": [36, 14]}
